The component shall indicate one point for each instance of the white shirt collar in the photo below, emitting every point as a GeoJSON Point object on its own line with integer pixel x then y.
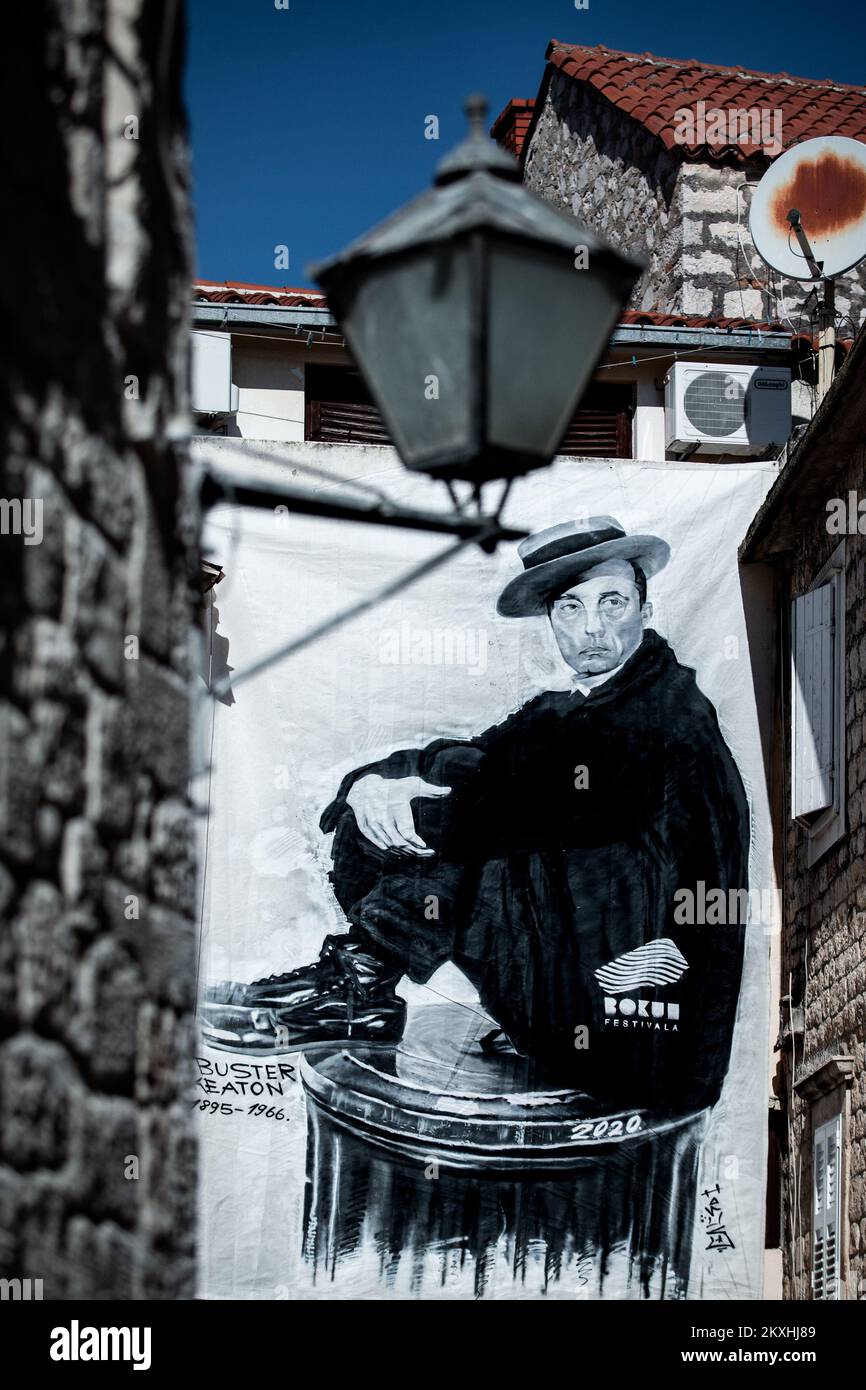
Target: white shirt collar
{"type": "Point", "coordinates": [587, 689]}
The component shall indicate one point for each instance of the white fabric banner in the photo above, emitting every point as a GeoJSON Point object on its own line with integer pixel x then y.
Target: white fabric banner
{"type": "Point", "coordinates": [464, 1172]}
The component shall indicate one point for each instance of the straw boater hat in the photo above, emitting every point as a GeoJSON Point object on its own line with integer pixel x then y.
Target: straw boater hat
{"type": "Point", "coordinates": [555, 558]}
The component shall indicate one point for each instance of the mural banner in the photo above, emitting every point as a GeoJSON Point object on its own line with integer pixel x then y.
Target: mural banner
{"type": "Point", "coordinates": [487, 900]}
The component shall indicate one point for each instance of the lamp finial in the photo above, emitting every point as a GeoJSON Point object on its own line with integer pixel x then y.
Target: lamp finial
{"type": "Point", "coordinates": [476, 109]}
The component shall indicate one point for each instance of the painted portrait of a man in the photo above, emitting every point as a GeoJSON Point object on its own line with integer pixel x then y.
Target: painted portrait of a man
{"type": "Point", "coordinates": [542, 858]}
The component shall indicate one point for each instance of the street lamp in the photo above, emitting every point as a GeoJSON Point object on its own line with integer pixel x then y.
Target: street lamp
{"type": "Point", "coordinates": [476, 315]}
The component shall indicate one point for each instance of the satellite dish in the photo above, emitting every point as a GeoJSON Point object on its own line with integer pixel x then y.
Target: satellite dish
{"type": "Point", "coordinates": [824, 180]}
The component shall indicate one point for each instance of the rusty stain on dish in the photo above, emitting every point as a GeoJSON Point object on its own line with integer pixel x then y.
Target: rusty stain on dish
{"type": "Point", "coordinates": [829, 192]}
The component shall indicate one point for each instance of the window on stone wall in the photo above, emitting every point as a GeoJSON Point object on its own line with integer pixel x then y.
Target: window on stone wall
{"type": "Point", "coordinates": [826, 1208]}
{"type": "Point", "coordinates": [818, 708]}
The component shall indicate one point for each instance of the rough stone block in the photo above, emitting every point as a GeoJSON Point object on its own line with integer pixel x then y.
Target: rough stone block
{"type": "Point", "coordinates": [110, 1137]}
{"type": "Point", "coordinates": [109, 791]}
{"type": "Point", "coordinates": [695, 301]}
{"type": "Point", "coordinates": [95, 600]}
{"type": "Point", "coordinates": [108, 990]}
{"type": "Point", "coordinates": [168, 945]}
{"type": "Point", "coordinates": [37, 1084]}
{"type": "Point", "coordinates": [164, 1065]}
{"type": "Point", "coordinates": [46, 661]}
{"type": "Point", "coordinates": [44, 953]}
{"type": "Point", "coordinates": [82, 862]}
{"type": "Point", "coordinates": [173, 875]}
{"type": "Point", "coordinates": [726, 232]}
{"type": "Point", "coordinates": [107, 1260]}
{"type": "Point", "coordinates": [167, 1146]}
{"type": "Point", "coordinates": [719, 199]}
{"type": "Point", "coordinates": [19, 785]}
{"type": "Point", "coordinates": [59, 748]}
{"type": "Point", "coordinates": [693, 231]}
{"type": "Point", "coordinates": [707, 263]}
{"type": "Point", "coordinates": [158, 729]}
{"type": "Point", "coordinates": [745, 303]}
{"type": "Point", "coordinates": [42, 563]}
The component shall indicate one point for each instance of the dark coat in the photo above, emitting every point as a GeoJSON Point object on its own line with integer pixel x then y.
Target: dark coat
{"type": "Point", "coordinates": [539, 882]}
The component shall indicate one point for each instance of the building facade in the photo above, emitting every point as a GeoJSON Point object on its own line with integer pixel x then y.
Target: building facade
{"type": "Point", "coordinates": [98, 1152]}
{"type": "Point", "coordinates": [811, 532]}
{"type": "Point", "coordinates": [286, 375]}
{"type": "Point", "coordinates": [631, 144]}
{"type": "Point", "coordinates": [601, 141]}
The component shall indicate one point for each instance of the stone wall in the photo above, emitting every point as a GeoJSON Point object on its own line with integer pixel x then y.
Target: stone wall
{"type": "Point", "coordinates": [688, 220]}
{"type": "Point", "coordinates": [723, 273]}
{"type": "Point", "coordinates": [824, 935]}
{"type": "Point", "coordinates": [612, 174]}
{"type": "Point", "coordinates": [97, 884]}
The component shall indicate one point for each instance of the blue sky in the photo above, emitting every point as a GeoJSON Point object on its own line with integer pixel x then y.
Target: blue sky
{"type": "Point", "coordinates": [308, 123]}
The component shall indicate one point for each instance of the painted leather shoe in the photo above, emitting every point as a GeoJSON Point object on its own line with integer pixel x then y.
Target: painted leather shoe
{"type": "Point", "coordinates": [346, 996]}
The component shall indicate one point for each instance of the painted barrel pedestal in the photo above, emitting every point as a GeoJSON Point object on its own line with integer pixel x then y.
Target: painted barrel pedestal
{"type": "Point", "coordinates": [437, 1095]}
{"type": "Point", "coordinates": [457, 1173]}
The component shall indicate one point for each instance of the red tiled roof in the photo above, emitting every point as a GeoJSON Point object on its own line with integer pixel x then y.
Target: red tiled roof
{"type": "Point", "coordinates": [656, 318]}
{"type": "Point", "coordinates": [653, 89]}
{"type": "Point", "coordinates": [238, 292]}
{"type": "Point", "coordinates": [511, 125]}
{"type": "Point", "coordinates": [287, 297]}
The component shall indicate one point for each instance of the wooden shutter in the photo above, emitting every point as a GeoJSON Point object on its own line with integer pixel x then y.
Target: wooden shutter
{"type": "Point", "coordinates": [340, 422]}
{"type": "Point", "coordinates": [339, 409]}
{"type": "Point", "coordinates": [812, 700]}
{"type": "Point", "coordinates": [601, 425]}
{"type": "Point", "coordinates": [826, 1208]}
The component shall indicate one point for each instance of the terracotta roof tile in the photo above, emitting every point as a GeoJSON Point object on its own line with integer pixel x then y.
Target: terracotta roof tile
{"type": "Point", "coordinates": [653, 90]}
{"type": "Point", "coordinates": [236, 292]}
{"type": "Point", "coordinates": [657, 318]}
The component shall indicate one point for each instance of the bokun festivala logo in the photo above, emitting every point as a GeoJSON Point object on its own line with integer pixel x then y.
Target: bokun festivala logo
{"type": "Point", "coordinates": [652, 966]}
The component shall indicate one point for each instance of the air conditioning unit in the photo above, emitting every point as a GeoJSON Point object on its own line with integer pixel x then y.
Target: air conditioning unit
{"type": "Point", "coordinates": [211, 371]}
{"type": "Point", "coordinates": [722, 408]}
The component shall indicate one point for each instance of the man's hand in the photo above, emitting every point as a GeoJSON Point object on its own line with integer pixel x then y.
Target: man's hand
{"type": "Point", "coordinates": [382, 809]}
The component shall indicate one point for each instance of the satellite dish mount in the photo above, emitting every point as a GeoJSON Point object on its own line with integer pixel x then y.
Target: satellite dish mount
{"type": "Point", "coordinates": [808, 222]}
{"type": "Point", "coordinates": [826, 310]}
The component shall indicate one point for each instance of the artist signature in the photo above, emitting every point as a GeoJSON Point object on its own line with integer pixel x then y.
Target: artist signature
{"type": "Point", "coordinates": [713, 1220]}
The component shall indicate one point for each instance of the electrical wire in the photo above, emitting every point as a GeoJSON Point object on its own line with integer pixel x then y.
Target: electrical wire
{"type": "Point", "coordinates": [605, 366]}
{"type": "Point", "coordinates": [260, 456]}
{"type": "Point", "coordinates": [781, 299]}
{"type": "Point", "coordinates": [295, 333]}
{"type": "Point", "coordinates": [749, 266]}
{"type": "Point", "coordinates": [687, 352]}
{"type": "Point", "coordinates": [204, 866]}
{"type": "Point", "coordinates": [329, 625]}
{"type": "Point", "coordinates": [801, 256]}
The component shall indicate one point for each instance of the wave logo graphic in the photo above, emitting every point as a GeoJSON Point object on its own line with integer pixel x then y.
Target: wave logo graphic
{"type": "Point", "coordinates": [654, 965]}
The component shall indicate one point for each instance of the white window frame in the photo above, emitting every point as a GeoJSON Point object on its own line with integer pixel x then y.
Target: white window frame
{"type": "Point", "coordinates": [827, 1210]}
{"type": "Point", "coordinates": [212, 391]}
{"type": "Point", "coordinates": [826, 827]}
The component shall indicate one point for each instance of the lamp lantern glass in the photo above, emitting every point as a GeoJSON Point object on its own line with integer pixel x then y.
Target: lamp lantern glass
{"type": "Point", "coordinates": [477, 315]}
